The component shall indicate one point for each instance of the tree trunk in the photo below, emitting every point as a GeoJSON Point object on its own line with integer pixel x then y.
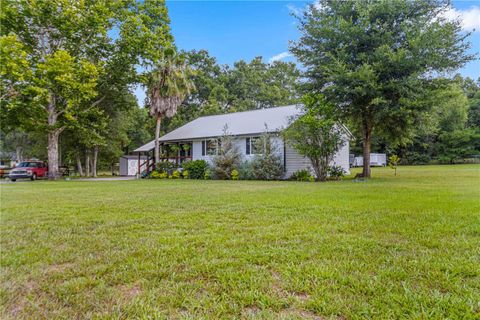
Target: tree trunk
{"type": "Point", "coordinates": [53, 154]}
{"type": "Point", "coordinates": [60, 155]}
{"type": "Point", "coordinates": [19, 153]}
{"type": "Point", "coordinates": [79, 165]}
{"type": "Point", "coordinates": [87, 163]}
{"type": "Point", "coordinates": [53, 135]}
{"type": "Point", "coordinates": [157, 143]}
{"type": "Point", "coordinates": [94, 162]}
{"type": "Point", "coordinates": [367, 144]}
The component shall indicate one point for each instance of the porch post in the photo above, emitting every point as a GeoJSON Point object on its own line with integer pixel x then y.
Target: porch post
{"type": "Point", "coordinates": [148, 164]}
{"type": "Point", "coordinates": [138, 164]}
{"type": "Point", "coordinates": [178, 153]}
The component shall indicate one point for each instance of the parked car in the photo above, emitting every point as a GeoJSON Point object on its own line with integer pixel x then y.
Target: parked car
{"type": "Point", "coordinates": [32, 170]}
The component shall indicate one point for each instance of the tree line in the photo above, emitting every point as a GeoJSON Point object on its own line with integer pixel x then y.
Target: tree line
{"type": "Point", "coordinates": [68, 70]}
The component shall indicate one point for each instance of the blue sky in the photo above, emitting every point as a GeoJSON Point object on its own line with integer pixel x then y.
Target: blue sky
{"type": "Point", "coordinates": [235, 30]}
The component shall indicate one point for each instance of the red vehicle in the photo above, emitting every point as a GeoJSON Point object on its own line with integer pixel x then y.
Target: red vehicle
{"type": "Point", "coordinates": [31, 169]}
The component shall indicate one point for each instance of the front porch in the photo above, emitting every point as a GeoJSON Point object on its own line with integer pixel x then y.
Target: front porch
{"type": "Point", "coordinates": [175, 152]}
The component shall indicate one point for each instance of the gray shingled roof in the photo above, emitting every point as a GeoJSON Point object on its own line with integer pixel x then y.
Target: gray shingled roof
{"type": "Point", "coordinates": [239, 123]}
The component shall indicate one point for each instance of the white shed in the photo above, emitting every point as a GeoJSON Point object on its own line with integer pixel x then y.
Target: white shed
{"type": "Point", "coordinates": [129, 165]}
{"type": "Point", "coordinates": [376, 160]}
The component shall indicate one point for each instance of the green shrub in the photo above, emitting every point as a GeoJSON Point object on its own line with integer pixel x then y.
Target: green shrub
{"type": "Point", "coordinates": [301, 175]}
{"type": "Point", "coordinates": [154, 175]}
{"type": "Point", "coordinates": [158, 175]}
{"type": "Point", "coordinates": [163, 175]}
{"type": "Point", "coordinates": [335, 172]}
{"type": "Point", "coordinates": [207, 175]}
{"type": "Point", "coordinates": [393, 161]}
{"type": "Point", "coordinates": [196, 168]}
{"type": "Point", "coordinates": [234, 174]}
{"type": "Point", "coordinates": [175, 174]}
{"type": "Point", "coordinates": [185, 174]}
{"type": "Point", "coordinates": [228, 157]}
{"type": "Point", "coordinates": [166, 166]}
{"type": "Point", "coordinates": [245, 171]}
{"type": "Point", "coordinates": [268, 165]}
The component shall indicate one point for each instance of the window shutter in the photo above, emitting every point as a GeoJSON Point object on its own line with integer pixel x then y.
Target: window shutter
{"type": "Point", "coordinates": [247, 147]}
{"type": "Point", "coordinates": [203, 147]}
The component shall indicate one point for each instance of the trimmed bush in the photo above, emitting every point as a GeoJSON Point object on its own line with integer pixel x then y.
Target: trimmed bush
{"type": "Point", "coordinates": [234, 174]}
{"type": "Point", "coordinates": [267, 167]}
{"type": "Point", "coordinates": [196, 169]}
{"type": "Point", "coordinates": [158, 175]}
{"type": "Point", "coordinates": [166, 166]}
{"type": "Point", "coordinates": [245, 171]}
{"type": "Point", "coordinates": [207, 175]}
{"type": "Point", "coordinates": [268, 164]}
{"type": "Point", "coordinates": [301, 175]}
{"type": "Point", "coordinates": [175, 174]}
{"type": "Point", "coordinates": [228, 157]}
{"type": "Point", "coordinates": [335, 172]}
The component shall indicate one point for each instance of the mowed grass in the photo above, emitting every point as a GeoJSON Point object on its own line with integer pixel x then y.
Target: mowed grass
{"type": "Point", "coordinates": [389, 248]}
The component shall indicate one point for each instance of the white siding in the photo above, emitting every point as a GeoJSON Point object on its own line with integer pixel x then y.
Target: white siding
{"type": "Point", "coordinates": [341, 158]}
{"type": "Point", "coordinates": [241, 145]}
{"type": "Point", "coordinates": [294, 161]}
{"type": "Point", "coordinates": [297, 162]}
{"type": "Point", "coordinates": [197, 150]}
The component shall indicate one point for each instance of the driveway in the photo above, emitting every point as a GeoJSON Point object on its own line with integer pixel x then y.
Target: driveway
{"type": "Point", "coordinates": [6, 180]}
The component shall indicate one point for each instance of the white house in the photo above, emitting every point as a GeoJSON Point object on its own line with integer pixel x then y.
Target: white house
{"type": "Point", "coordinates": [198, 138]}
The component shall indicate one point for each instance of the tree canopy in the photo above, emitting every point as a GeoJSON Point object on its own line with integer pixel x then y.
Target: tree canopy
{"type": "Point", "coordinates": [377, 60]}
{"type": "Point", "coordinates": [65, 58]}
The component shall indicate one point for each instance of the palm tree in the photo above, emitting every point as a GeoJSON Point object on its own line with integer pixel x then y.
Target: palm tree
{"type": "Point", "coordinates": [167, 87]}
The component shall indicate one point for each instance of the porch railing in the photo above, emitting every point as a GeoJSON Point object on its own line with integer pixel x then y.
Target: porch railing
{"type": "Point", "coordinates": [149, 163]}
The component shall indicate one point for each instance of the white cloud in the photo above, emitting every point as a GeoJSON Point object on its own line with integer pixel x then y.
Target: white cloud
{"type": "Point", "coordinates": [318, 5]}
{"type": "Point", "coordinates": [469, 18]}
{"type": "Point", "coordinates": [280, 56]}
{"type": "Point", "coordinates": [298, 11]}
{"type": "Point", "coordinates": [294, 9]}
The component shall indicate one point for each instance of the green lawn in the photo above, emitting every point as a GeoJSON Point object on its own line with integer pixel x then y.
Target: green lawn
{"type": "Point", "coordinates": [393, 247]}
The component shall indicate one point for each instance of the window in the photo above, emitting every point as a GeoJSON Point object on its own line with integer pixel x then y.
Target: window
{"type": "Point", "coordinates": [253, 145]}
{"type": "Point", "coordinates": [27, 165]}
{"type": "Point", "coordinates": [209, 147]}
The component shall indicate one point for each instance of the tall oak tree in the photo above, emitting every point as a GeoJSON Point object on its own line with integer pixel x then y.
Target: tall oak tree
{"type": "Point", "coordinates": [376, 60]}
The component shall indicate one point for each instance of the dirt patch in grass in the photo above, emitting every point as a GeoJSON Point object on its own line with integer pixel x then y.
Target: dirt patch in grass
{"type": "Point", "coordinates": [302, 296]}
{"type": "Point", "coordinates": [128, 292]}
{"type": "Point", "coordinates": [59, 268]}
{"type": "Point", "coordinates": [250, 312]}
{"type": "Point", "coordinates": [20, 302]}
{"type": "Point", "coordinates": [293, 313]}
{"type": "Point", "coordinates": [277, 287]}
{"type": "Point", "coordinates": [17, 309]}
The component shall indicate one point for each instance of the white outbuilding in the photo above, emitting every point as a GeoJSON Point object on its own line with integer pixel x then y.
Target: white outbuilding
{"type": "Point", "coordinates": [376, 160]}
